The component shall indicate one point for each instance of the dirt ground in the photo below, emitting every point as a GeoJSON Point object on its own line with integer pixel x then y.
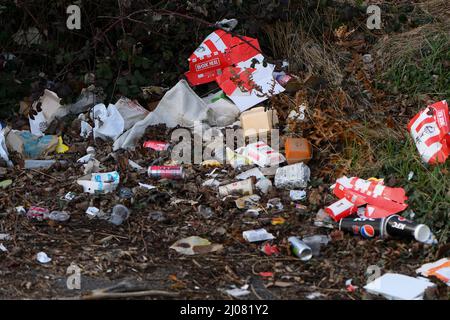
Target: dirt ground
{"type": "Point", "coordinates": [138, 250]}
{"type": "Point", "coordinates": [345, 107]}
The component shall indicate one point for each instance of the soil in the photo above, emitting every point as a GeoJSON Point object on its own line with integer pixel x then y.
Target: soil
{"type": "Point", "coordinates": [138, 250]}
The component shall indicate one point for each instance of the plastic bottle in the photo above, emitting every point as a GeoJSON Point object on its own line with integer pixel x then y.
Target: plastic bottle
{"type": "Point", "coordinates": [315, 242]}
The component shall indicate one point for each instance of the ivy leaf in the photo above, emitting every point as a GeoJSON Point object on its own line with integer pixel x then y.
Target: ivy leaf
{"type": "Point", "coordinates": [123, 90]}
{"type": "Point", "coordinates": [145, 63]}
{"type": "Point", "coordinates": [123, 56]}
{"type": "Point", "coordinates": [140, 80]}
{"type": "Point", "coordinates": [137, 62]}
{"type": "Point", "coordinates": [121, 82]}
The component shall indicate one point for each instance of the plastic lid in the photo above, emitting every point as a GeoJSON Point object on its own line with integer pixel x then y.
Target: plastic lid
{"type": "Point", "coordinates": [422, 233]}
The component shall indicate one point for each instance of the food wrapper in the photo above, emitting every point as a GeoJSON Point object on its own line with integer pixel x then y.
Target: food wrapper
{"type": "Point", "coordinates": [261, 154]}
{"type": "Point", "coordinates": [100, 182]}
{"type": "Point", "coordinates": [236, 160]}
{"type": "Point", "coordinates": [430, 130]}
{"type": "Point", "coordinates": [439, 269]}
{"type": "Point", "coordinates": [292, 176]}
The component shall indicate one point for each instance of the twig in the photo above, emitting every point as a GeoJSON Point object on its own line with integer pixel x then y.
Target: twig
{"type": "Point", "coordinates": [42, 29]}
{"type": "Point", "coordinates": [117, 78]}
{"type": "Point", "coordinates": [47, 175]}
{"type": "Point", "coordinates": [254, 292]}
{"type": "Point", "coordinates": [114, 295]}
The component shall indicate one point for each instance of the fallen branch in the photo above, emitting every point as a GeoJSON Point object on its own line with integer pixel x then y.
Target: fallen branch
{"type": "Point", "coordinates": [114, 295]}
{"type": "Point", "coordinates": [125, 289]}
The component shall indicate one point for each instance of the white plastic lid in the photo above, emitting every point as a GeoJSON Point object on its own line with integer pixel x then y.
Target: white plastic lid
{"type": "Point", "coordinates": [422, 233]}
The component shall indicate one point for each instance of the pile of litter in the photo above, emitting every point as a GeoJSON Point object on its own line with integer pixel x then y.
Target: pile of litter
{"type": "Point", "coordinates": [116, 168]}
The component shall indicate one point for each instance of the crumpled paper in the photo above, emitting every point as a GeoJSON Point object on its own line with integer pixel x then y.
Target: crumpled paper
{"type": "Point", "coordinates": [195, 245]}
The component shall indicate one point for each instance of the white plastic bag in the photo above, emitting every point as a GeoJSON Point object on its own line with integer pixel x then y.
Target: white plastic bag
{"type": "Point", "coordinates": [108, 123]}
{"type": "Point", "coordinates": [130, 111]}
{"type": "Point", "coordinates": [222, 111]}
{"type": "Point", "coordinates": [86, 129]}
{"type": "Point", "coordinates": [179, 106]}
{"type": "Point", "coordinates": [257, 235]}
{"type": "Point", "coordinates": [3, 148]}
{"type": "Point", "coordinates": [50, 105]}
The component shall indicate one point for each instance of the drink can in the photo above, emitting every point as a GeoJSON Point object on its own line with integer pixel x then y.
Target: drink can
{"type": "Point", "coordinates": [244, 187]}
{"type": "Point", "coordinates": [166, 172]}
{"type": "Point", "coordinates": [398, 227]}
{"type": "Point", "coordinates": [156, 145]}
{"type": "Point", "coordinates": [394, 226]}
{"type": "Point", "coordinates": [37, 213]}
{"type": "Point", "coordinates": [283, 79]}
{"type": "Point", "coordinates": [366, 227]}
{"type": "Point", "coordinates": [300, 249]}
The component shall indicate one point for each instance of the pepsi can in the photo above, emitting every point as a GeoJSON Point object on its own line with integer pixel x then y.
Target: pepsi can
{"type": "Point", "coordinates": [394, 226]}
{"type": "Point", "coordinates": [398, 227]}
{"type": "Point", "coordinates": [366, 227]}
{"type": "Point", "coordinates": [166, 172]}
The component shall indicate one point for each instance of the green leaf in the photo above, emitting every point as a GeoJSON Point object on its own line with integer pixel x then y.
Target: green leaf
{"type": "Point", "coordinates": [137, 61]}
{"type": "Point", "coordinates": [121, 82]}
{"type": "Point", "coordinates": [145, 63]}
{"type": "Point", "coordinates": [123, 56]}
{"type": "Point", "coordinates": [140, 80]}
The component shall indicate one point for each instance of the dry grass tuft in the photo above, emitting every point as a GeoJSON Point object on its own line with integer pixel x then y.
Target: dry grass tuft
{"type": "Point", "coordinates": [438, 9]}
{"type": "Point", "coordinates": [392, 49]}
{"type": "Point", "coordinates": [304, 52]}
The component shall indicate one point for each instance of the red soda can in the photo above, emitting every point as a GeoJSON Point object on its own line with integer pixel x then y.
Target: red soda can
{"type": "Point", "coordinates": [166, 172]}
{"type": "Point", "coordinates": [37, 213]}
{"type": "Point", "coordinates": [283, 79]}
{"type": "Point", "coordinates": [156, 145]}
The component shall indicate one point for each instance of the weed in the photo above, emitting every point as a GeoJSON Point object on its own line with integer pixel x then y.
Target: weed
{"type": "Point", "coordinates": [419, 66]}
{"type": "Point", "coordinates": [393, 159]}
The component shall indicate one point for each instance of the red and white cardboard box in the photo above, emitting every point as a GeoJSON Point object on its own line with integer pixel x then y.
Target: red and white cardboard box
{"type": "Point", "coordinates": [249, 82]}
{"type": "Point", "coordinates": [430, 130]}
{"type": "Point", "coordinates": [341, 209]}
{"type": "Point", "coordinates": [237, 65]}
{"type": "Point", "coordinates": [261, 154]}
{"type": "Point", "coordinates": [218, 51]}
{"type": "Point", "coordinates": [381, 201]}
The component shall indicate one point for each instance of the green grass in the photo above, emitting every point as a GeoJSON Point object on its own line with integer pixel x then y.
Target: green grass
{"type": "Point", "coordinates": [418, 70]}
{"type": "Point", "coordinates": [428, 191]}
{"type": "Point", "coordinates": [423, 71]}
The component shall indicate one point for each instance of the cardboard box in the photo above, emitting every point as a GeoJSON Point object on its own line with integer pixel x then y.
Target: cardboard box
{"type": "Point", "coordinates": [261, 154]}
{"type": "Point", "coordinates": [257, 121]}
{"type": "Point", "coordinates": [249, 82]}
{"type": "Point", "coordinates": [297, 150]}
